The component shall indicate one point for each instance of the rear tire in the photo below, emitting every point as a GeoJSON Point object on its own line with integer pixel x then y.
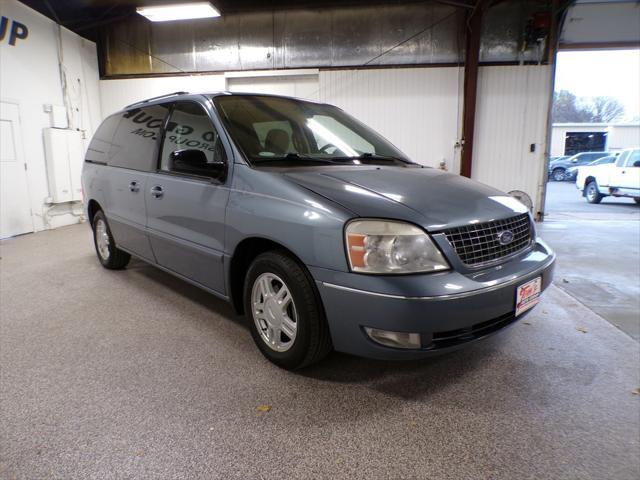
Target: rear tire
{"type": "Point", "coordinates": [558, 175]}
{"type": "Point", "coordinates": [592, 194]}
{"type": "Point", "coordinates": [110, 256]}
{"type": "Point", "coordinates": [292, 333]}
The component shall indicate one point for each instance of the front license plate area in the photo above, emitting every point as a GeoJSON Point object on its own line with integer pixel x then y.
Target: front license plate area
{"type": "Point", "coordinates": [528, 295]}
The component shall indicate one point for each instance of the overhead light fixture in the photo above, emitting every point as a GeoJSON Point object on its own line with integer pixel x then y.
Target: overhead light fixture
{"type": "Point", "coordinates": [178, 11]}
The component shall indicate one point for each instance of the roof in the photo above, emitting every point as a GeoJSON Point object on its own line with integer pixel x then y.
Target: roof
{"type": "Point", "coordinates": [181, 94]}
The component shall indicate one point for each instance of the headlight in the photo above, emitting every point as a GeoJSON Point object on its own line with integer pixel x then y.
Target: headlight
{"type": "Point", "coordinates": [383, 246]}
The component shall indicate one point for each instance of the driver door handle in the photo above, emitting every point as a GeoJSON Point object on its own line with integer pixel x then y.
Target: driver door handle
{"type": "Point", "coordinates": [156, 191]}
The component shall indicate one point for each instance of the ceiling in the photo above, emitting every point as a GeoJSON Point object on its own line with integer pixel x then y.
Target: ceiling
{"type": "Point", "coordinates": [84, 16]}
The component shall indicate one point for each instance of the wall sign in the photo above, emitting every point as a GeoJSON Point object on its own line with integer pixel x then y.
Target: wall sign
{"type": "Point", "coordinates": [17, 31]}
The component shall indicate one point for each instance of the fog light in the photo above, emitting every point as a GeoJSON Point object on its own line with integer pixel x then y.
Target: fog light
{"type": "Point", "coordinates": [394, 339]}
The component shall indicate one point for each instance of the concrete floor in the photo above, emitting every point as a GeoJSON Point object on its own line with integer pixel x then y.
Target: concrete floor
{"type": "Point", "coordinates": [135, 374]}
{"type": "Point", "coordinates": [598, 249]}
{"type": "Point", "coordinates": [565, 200]}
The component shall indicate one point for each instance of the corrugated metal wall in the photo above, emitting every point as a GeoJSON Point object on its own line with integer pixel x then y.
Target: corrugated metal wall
{"type": "Point", "coordinates": [429, 33]}
{"type": "Point", "coordinates": [513, 102]}
{"type": "Point", "coordinates": [623, 136]}
{"type": "Point", "coordinates": [416, 108]}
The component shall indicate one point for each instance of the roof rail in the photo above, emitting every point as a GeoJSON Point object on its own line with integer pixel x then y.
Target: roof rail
{"type": "Point", "coordinates": [166, 95]}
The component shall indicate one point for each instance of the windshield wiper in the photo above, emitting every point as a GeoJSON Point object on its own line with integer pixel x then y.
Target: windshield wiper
{"type": "Point", "coordinates": [373, 157]}
{"type": "Point", "coordinates": [293, 158]}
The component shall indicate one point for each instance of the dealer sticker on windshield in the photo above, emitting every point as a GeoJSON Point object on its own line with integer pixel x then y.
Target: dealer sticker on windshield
{"type": "Point", "coordinates": [528, 295]}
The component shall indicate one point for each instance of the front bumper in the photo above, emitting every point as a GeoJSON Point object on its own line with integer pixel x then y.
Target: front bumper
{"type": "Point", "coordinates": [448, 309]}
{"type": "Point", "coordinates": [570, 175]}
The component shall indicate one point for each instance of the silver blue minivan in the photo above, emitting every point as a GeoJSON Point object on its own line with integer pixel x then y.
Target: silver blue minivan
{"type": "Point", "coordinates": [319, 230]}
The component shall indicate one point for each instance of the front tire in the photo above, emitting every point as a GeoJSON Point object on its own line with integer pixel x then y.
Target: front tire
{"type": "Point", "coordinates": [110, 256]}
{"type": "Point", "coordinates": [285, 314]}
{"type": "Point", "coordinates": [637, 200]}
{"type": "Point", "coordinates": [592, 194]}
{"type": "Point", "coordinates": [558, 175]}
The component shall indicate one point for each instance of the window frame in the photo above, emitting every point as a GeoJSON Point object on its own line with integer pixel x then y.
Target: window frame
{"type": "Point", "coordinates": [204, 178]}
{"type": "Point", "coordinates": [627, 162]}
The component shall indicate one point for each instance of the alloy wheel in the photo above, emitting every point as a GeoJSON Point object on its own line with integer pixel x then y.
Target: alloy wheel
{"type": "Point", "coordinates": [102, 239]}
{"type": "Point", "coordinates": [274, 312]}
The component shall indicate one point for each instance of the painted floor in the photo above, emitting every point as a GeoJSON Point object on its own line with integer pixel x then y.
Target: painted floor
{"type": "Point", "coordinates": [135, 374]}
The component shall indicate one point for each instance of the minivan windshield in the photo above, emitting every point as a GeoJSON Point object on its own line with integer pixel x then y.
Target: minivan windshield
{"type": "Point", "coordinates": [278, 131]}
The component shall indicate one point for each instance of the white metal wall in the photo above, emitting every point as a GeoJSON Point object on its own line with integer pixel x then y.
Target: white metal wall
{"type": "Point", "coordinates": [301, 86]}
{"type": "Point", "coordinates": [116, 94]}
{"type": "Point", "coordinates": [623, 136]}
{"type": "Point", "coordinates": [30, 79]}
{"type": "Point", "coordinates": [417, 109]}
{"type": "Point", "coordinates": [511, 114]}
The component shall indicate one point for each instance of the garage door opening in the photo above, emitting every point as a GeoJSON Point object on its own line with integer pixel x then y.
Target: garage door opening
{"type": "Point", "coordinates": [595, 121]}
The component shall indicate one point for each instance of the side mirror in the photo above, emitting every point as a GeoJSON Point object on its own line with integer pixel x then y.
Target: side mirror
{"type": "Point", "coordinates": [636, 163]}
{"type": "Point", "coordinates": [194, 162]}
{"type": "Point", "coordinates": [575, 160]}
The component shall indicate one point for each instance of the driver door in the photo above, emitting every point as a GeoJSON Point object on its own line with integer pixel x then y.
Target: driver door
{"type": "Point", "coordinates": [186, 212]}
{"type": "Point", "coordinates": [628, 176]}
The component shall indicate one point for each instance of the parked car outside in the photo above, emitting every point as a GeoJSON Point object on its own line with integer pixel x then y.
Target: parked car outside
{"type": "Point", "coordinates": [317, 228]}
{"type": "Point", "coordinates": [558, 158]}
{"type": "Point", "coordinates": [572, 172]}
{"type": "Point", "coordinates": [558, 168]}
{"type": "Point", "coordinates": [618, 179]}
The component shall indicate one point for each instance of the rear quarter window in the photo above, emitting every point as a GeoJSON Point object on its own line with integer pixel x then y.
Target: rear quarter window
{"type": "Point", "coordinates": [100, 144]}
{"type": "Point", "coordinates": [135, 144]}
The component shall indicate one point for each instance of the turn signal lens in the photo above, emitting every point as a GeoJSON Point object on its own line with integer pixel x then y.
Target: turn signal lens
{"type": "Point", "coordinates": [383, 246]}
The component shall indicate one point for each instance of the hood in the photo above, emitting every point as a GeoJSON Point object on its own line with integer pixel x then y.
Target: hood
{"type": "Point", "coordinates": [432, 198]}
{"type": "Point", "coordinates": [560, 163]}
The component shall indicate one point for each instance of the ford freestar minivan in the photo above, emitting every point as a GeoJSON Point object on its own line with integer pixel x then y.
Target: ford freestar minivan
{"type": "Point", "coordinates": [315, 227]}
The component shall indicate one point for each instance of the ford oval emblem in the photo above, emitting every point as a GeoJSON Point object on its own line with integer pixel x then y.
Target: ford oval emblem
{"type": "Point", "coordinates": [505, 237]}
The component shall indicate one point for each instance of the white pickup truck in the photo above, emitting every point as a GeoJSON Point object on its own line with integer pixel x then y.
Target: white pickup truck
{"type": "Point", "coordinates": [619, 179]}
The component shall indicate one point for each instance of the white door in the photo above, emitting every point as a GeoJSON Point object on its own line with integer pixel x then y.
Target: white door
{"type": "Point", "coordinates": [629, 176]}
{"type": "Point", "coordinates": [15, 211]}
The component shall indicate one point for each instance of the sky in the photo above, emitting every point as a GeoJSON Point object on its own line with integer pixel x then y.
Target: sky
{"type": "Point", "coordinates": [614, 73]}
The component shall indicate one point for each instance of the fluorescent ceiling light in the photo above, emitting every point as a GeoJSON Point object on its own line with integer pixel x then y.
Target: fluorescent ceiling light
{"type": "Point", "coordinates": [179, 11]}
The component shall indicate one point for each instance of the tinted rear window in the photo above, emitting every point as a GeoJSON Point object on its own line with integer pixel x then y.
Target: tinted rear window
{"type": "Point", "coordinates": [100, 145]}
{"type": "Point", "coordinates": [135, 144]}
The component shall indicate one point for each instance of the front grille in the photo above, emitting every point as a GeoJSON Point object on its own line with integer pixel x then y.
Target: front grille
{"type": "Point", "coordinates": [478, 244]}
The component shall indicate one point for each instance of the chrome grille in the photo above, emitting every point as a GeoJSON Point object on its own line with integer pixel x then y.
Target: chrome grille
{"type": "Point", "coordinates": [478, 244]}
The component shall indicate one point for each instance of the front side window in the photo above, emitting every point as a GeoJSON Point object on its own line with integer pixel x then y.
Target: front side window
{"type": "Point", "coordinates": [620, 162]}
{"type": "Point", "coordinates": [275, 129]}
{"type": "Point", "coordinates": [191, 143]}
{"type": "Point", "coordinates": [633, 158]}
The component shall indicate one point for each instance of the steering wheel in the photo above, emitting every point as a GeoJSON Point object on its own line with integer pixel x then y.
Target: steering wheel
{"type": "Point", "coordinates": [327, 147]}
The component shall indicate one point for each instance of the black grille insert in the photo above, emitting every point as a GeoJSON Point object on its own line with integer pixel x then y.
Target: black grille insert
{"type": "Point", "coordinates": [480, 243]}
{"type": "Point", "coordinates": [452, 338]}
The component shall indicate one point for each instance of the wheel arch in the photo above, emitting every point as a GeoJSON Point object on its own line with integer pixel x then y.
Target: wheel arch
{"type": "Point", "coordinates": [245, 252]}
{"type": "Point", "coordinates": [92, 208]}
{"type": "Point", "coordinates": [588, 179]}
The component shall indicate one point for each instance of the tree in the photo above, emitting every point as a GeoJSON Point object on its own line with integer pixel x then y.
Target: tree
{"type": "Point", "coordinates": [606, 109]}
{"type": "Point", "coordinates": [567, 109]}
